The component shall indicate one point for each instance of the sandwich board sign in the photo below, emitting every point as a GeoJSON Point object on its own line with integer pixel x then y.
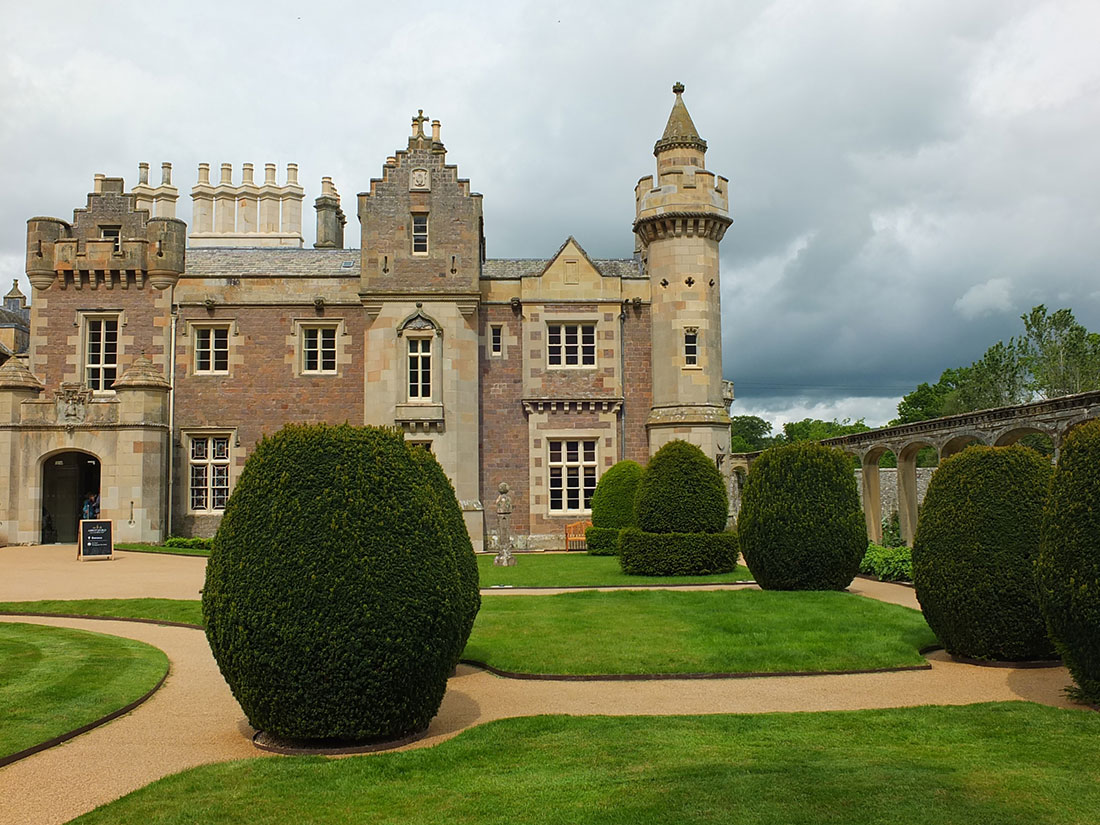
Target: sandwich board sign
{"type": "Point", "coordinates": [96, 540]}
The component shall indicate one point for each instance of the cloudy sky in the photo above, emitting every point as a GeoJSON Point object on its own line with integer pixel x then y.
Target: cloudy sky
{"type": "Point", "coordinates": [906, 178]}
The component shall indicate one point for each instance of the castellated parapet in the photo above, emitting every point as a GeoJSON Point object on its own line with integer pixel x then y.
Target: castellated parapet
{"type": "Point", "coordinates": [247, 214]}
{"type": "Point", "coordinates": [112, 242]}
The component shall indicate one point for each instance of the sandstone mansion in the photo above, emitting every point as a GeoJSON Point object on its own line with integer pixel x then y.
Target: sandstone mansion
{"type": "Point", "coordinates": [159, 353]}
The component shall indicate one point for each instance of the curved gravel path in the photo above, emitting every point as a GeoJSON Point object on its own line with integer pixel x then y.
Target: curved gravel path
{"type": "Point", "coordinates": [194, 719]}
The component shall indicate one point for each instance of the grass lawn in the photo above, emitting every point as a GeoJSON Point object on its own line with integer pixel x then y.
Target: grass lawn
{"type": "Point", "coordinates": [167, 610]}
{"type": "Point", "coordinates": [579, 570]}
{"type": "Point", "coordinates": [136, 547]}
{"type": "Point", "coordinates": [633, 632]}
{"type": "Point", "coordinates": [54, 680]}
{"type": "Point", "coordinates": [720, 631]}
{"type": "Point", "coordinates": [995, 764]}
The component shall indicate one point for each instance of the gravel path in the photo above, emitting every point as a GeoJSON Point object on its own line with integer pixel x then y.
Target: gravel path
{"type": "Point", "coordinates": [194, 719]}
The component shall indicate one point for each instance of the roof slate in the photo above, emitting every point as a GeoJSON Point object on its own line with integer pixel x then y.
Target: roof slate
{"type": "Point", "coordinates": [235, 262]}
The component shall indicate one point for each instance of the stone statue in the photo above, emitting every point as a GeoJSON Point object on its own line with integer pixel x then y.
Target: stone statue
{"type": "Point", "coordinates": [504, 557]}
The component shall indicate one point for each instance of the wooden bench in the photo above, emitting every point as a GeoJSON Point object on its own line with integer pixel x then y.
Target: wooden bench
{"type": "Point", "coordinates": [574, 535]}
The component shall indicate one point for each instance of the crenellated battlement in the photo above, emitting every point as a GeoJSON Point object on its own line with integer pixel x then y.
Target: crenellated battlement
{"type": "Point", "coordinates": [110, 242]}
{"type": "Point", "coordinates": [247, 214]}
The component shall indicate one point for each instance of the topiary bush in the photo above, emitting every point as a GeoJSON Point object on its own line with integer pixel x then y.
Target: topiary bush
{"type": "Point", "coordinates": [1068, 568]}
{"type": "Point", "coordinates": [190, 542]}
{"type": "Point", "coordinates": [602, 541]}
{"type": "Point", "coordinates": [974, 553]}
{"type": "Point", "coordinates": [800, 526]}
{"type": "Point", "coordinates": [613, 501]}
{"type": "Point", "coordinates": [681, 491]}
{"type": "Point", "coordinates": [445, 498]}
{"type": "Point", "coordinates": [335, 602]}
{"type": "Point", "coordinates": [612, 508]}
{"type": "Point", "coordinates": [676, 554]}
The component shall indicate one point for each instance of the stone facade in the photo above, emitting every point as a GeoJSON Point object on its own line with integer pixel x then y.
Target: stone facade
{"type": "Point", "coordinates": [15, 323]}
{"type": "Point", "coordinates": [539, 373]}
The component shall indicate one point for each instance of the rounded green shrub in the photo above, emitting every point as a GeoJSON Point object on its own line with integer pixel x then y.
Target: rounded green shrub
{"type": "Point", "coordinates": [613, 501]}
{"type": "Point", "coordinates": [335, 603]}
{"type": "Point", "coordinates": [676, 554]}
{"type": "Point", "coordinates": [447, 501]}
{"type": "Point", "coordinates": [1068, 568]}
{"type": "Point", "coordinates": [602, 541]}
{"type": "Point", "coordinates": [974, 553]}
{"type": "Point", "coordinates": [800, 526]}
{"type": "Point", "coordinates": [681, 491]}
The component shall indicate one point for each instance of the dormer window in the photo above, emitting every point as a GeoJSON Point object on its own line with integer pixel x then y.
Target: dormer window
{"type": "Point", "coordinates": [420, 234]}
{"type": "Point", "coordinates": [112, 233]}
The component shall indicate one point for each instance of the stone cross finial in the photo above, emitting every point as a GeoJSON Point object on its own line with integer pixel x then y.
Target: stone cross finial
{"type": "Point", "coordinates": [418, 123]}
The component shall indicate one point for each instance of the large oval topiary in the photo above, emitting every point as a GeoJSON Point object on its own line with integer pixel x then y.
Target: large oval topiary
{"type": "Point", "coordinates": [1068, 568]}
{"type": "Point", "coordinates": [974, 553]}
{"type": "Point", "coordinates": [334, 602]}
{"type": "Point", "coordinates": [681, 491]}
{"type": "Point", "coordinates": [800, 526]}
{"type": "Point", "coordinates": [613, 501]}
{"type": "Point", "coordinates": [445, 497]}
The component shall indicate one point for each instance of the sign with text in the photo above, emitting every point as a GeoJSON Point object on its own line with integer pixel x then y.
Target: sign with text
{"type": "Point", "coordinates": [96, 539]}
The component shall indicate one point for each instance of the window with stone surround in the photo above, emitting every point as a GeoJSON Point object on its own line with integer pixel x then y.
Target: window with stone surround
{"type": "Point", "coordinates": [318, 349]}
{"type": "Point", "coordinates": [420, 234]}
{"type": "Point", "coordinates": [691, 346]}
{"type": "Point", "coordinates": [112, 233]}
{"type": "Point", "coordinates": [571, 345]}
{"type": "Point", "coordinates": [208, 471]}
{"type": "Point", "coordinates": [420, 368]}
{"type": "Point", "coordinates": [572, 474]}
{"type": "Point", "coordinates": [211, 345]}
{"type": "Point", "coordinates": [100, 351]}
{"type": "Point", "coordinates": [496, 339]}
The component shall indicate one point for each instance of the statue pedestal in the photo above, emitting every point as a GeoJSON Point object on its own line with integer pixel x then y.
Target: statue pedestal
{"type": "Point", "coordinates": [504, 560]}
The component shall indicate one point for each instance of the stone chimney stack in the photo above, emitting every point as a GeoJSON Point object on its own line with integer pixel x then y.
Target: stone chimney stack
{"type": "Point", "coordinates": [247, 214]}
{"type": "Point", "coordinates": [330, 217]}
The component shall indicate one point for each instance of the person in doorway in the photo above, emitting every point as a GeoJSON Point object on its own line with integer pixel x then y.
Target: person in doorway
{"type": "Point", "coordinates": [90, 510]}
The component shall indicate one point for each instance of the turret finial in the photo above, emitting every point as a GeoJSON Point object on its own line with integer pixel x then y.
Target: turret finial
{"type": "Point", "coordinates": [678, 88]}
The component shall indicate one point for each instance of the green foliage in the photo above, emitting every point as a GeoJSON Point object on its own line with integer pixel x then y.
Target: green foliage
{"type": "Point", "coordinates": [447, 502]}
{"type": "Point", "coordinates": [1055, 356]}
{"type": "Point", "coordinates": [189, 542]}
{"type": "Point", "coordinates": [613, 500]}
{"type": "Point", "coordinates": [681, 491]}
{"type": "Point", "coordinates": [676, 554]}
{"type": "Point", "coordinates": [888, 564]}
{"type": "Point", "coordinates": [1068, 568]}
{"type": "Point", "coordinates": [976, 543]}
{"type": "Point", "coordinates": [334, 603]}
{"type": "Point", "coordinates": [1062, 356]}
{"type": "Point", "coordinates": [800, 524]}
{"type": "Point", "coordinates": [602, 541]}
{"type": "Point", "coordinates": [749, 433]}
{"type": "Point", "coordinates": [891, 531]}
{"type": "Point", "coordinates": [814, 429]}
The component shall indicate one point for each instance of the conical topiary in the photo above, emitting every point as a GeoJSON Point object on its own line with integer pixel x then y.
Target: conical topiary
{"type": "Point", "coordinates": [1068, 569]}
{"type": "Point", "coordinates": [681, 491]}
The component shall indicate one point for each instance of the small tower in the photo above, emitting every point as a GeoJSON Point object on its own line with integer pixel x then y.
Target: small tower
{"type": "Point", "coordinates": [680, 219]}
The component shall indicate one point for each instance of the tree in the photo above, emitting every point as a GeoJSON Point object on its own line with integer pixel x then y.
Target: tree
{"type": "Point", "coordinates": [930, 400]}
{"type": "Point", "coordinates": [749, 434]}
{"type": "Point", "coordinates": [999, 379]}
{"type": "Point", "coordinates": [1061, 356]}
{"type": "Point", "coordinates": [814, 429]}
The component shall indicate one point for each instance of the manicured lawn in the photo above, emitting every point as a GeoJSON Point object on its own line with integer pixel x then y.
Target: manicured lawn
{"type": "Point", "coordinates": [54, 680]}
{"type": "Point", "coordinates": [720, 631]}
{"type": "Point", "coordinates": [168, 610]}
{"type": "Point", "coordinates": [160, 548]}
{"type": "Point", "coordinates": [637, 632]}
{"type": "Point", "coordinates": [580, 570]}
{"type": "Point", "coordinates": [995, 764]}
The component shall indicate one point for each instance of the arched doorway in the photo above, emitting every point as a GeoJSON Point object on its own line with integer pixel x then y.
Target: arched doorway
{"type": "Point", "coordinates": [66, 478]}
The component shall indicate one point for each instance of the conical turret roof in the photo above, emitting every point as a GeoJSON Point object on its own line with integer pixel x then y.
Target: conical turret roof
{"type": "Point", "coordinates": [14, 291]}
{"type": "Point", "coordinates": [14, 375]}
{"type": "Point", "coordinates": [141, 374]}
{"type": "Point", "coordinates": [680, 130]}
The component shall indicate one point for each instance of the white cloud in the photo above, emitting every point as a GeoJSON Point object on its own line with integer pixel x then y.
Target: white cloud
{"type": "Point", "coordinates": [995, 295]}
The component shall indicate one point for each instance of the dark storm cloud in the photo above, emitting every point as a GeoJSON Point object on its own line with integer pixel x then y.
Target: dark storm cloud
{"type": "Point", "coordinates": [906, 178]}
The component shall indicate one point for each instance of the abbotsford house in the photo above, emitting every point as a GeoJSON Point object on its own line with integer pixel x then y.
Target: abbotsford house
{"type": "Point", "coordinates": [159, 353]}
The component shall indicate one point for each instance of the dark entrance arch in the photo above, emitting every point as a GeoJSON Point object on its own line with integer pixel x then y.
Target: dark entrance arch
{"type": "Point", "coordinates": [66, 478]}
